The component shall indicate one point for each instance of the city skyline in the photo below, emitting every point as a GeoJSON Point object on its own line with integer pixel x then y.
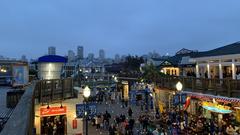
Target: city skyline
{"type": "Point", "coordinates": [126, 27]}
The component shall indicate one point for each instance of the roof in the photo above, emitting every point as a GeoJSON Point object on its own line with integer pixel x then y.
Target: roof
{"type": "Point", "coordinates": [52, 58]}
{"type": "Point", "coordinates": [185, 51]}
{"type": "Point", "coordinates": [230, 49]}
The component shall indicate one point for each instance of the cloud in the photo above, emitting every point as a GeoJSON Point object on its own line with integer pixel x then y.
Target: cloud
{"type": "Point", "coordinates": [29, 27]}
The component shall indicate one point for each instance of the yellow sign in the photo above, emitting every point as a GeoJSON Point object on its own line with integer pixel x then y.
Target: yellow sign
{"type": "Point", "coordinates": [215, 107]}
{"type": "Point", "coordinates": [125, 91]}
{"type": "Point", "coordinates": [238, 115]}
{"type": "Point", "coordinates": [161, 106]}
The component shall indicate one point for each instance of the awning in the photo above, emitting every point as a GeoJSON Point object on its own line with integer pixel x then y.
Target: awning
{"type": "Point", "coordinates": [217, 110]}
{"type": "Point", "coordinates": [217, 98]}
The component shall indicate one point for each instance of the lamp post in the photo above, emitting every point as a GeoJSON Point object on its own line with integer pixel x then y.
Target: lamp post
{"type": "Point", "coordinates": [86, 94]}
{"type": "Point", "coordinates": [179, 87]}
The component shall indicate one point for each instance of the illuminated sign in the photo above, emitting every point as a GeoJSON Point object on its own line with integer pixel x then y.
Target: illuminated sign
{"type": "Point", "coordinates": [53, 111]}
{"type": "Point", "coordinates": [214, 107]}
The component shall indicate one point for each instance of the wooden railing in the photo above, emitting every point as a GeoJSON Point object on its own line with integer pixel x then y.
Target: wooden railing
{"type": "Point", "coordinates": [54, 90]}
{"type": "Point", "coordinates": [222, 87]}
{"type": "Point", "coordinates": [21, 121]}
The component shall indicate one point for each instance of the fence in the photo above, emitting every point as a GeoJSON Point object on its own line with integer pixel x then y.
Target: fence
{"type": "Point", "coordinates": [222, 87]}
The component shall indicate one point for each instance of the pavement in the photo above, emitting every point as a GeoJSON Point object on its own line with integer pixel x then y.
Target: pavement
{"type": "Point", "coordinates": [114, 109]}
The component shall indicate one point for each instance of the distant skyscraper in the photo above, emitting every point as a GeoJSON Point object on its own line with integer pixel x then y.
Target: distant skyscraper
{"type": "Point", "coordinates": [123, 58]}
{"type": "Point", "coordinates": [24, 58]}
{"type": "Point", "coordinates": [117, 58]}
{"type": "Point", "coordinates": [51, 50]}
{"type": "Point", "coordinates": [90, 56]}
{"type": "Point", "coordinates": [101, 54]}
{"type": "Point", "coordinates": [80, 52]}
{"type": "Point", "coordinates": [71, 55]}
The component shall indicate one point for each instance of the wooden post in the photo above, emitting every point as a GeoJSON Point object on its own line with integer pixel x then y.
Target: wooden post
{"type": "Point", "coordinates": [228, 88]}
{"type": "Point", "coordinates": [52, 87]}
{"type": "Point", "coordinates": [192, 80]}
{"type": "Point", "coordinates": [63, 87]}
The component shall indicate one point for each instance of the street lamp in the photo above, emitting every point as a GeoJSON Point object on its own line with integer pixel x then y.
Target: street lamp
{"type": "Point", "coordinates": [179, 86]}
{"type": "Point", "coordinates": [86, 94]}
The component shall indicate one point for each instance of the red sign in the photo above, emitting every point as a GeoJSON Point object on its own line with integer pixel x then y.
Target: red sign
{"type": "Point", "coordinates": [74, 124]}
{"type": "Point", "coordinates": [53, 111]}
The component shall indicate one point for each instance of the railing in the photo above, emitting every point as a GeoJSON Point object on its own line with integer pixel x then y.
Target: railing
{"type": "Point", "coordinates": [54, 90]}
{"type": "Point", "coordinates": [222, 87]}
{"type": "Point", "coordinates": [21, 121]}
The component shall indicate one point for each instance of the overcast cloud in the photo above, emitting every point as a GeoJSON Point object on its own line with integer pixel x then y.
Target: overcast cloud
{"type": "Point", "coordinates": [117, 26]}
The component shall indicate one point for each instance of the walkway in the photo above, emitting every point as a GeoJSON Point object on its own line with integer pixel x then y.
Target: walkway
{"type": "Point", "coordinates": [114, 109]}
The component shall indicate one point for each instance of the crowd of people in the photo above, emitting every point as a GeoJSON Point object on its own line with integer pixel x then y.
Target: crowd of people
{"type": "Point", "coordinates": [53, 125]}
{"type": "Point", "coordinates": [170, 122]}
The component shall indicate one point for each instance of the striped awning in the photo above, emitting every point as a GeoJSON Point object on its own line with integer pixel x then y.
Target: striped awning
{"type": "Point", "coordinates": [208, 96]}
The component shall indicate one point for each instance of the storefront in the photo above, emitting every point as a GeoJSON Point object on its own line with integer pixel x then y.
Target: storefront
{"type": "Point", "coordinates": [53, 120]}
{"type": "Point", "coordinates": [214, 107]}
{"type": "Point", "coordinates": [58, 118]}
{"type": "Point", "coordinates": [163, 99]}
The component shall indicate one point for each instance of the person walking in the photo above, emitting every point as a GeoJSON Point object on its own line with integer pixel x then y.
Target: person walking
{"type": "Point", "coordinates": [130, 112]}
{"type": "Point", "coordinates": [155, 132]}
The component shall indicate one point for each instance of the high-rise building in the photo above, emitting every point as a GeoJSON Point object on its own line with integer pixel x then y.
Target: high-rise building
{"type": "Point", "coordinates": [117, 58]}
{"type": "Point", "coordinates": [90, 56]}
{"type": "Point", "coordinates": [23, 58]}
{"type": "Point", "coordinates": [71, 55]}
{"type": "Point", "coordinates": [51, 50]}
{"type": "Point", "coordinates": [101, 54]}
{"type": "Point", "coordinates": [80, 52]}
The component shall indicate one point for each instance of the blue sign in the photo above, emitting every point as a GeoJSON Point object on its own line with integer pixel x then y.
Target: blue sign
{"type": "Point", "coordinates": [90, 108]}
{"type": "Point", "coordinates": [80, 109]}
{"type": "Point", "coordinates": [176, 99]}
{"type": "Point", "coordinates": [183, 98]}
{"type": "Point", "coordinates": [179, 99]}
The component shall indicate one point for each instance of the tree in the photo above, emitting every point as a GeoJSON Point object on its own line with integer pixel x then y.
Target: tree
{"type": "Point", "coordinates": [131, 67]}
{"type": "Point", "coordinates": [151, 74]}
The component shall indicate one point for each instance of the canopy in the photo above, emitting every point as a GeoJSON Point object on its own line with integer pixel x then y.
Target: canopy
{"type": "Point", "coordinates": [217, 110]}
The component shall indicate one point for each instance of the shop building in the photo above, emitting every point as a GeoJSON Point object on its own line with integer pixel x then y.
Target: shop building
{"type": "Point", "coordinates": [14, 72]}
{"type": "Point", "coordinates": [214, 107]}
{"type": "Point", "coordinates": [223, 62]}
{"type": "Point", "coordinates": [59, 117]}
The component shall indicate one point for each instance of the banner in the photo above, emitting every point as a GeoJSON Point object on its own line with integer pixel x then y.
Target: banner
{"type": "Point", "coordinates": [53, 111]}
{"type": "Point", "coordinates": [82, 108]}
{"type": "Point", "coordinates": [20, 75]}
{"type": "Point", "coordinates": [176, 99]}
